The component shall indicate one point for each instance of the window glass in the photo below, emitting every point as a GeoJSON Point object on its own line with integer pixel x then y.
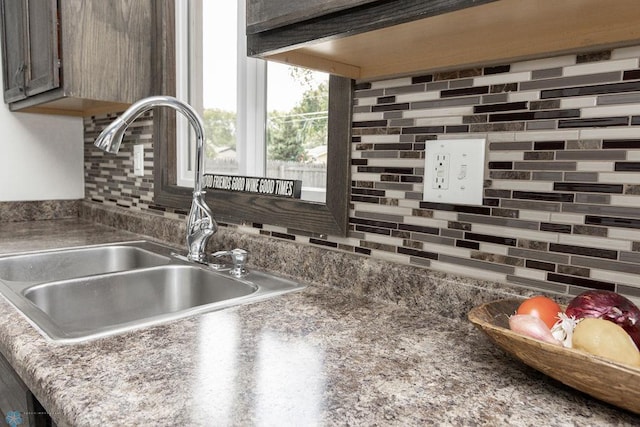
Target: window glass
{"type": "Point", "coordinates": [219, 85]}
{"type": "Point", "coordinates": [297, 109]}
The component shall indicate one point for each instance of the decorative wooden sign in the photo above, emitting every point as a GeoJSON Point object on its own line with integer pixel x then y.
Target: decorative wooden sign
{"type": "Point", "coordinates": [290, 188]}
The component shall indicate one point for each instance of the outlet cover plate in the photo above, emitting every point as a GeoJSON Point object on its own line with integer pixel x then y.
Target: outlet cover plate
{"type": "Point", "coordinates": [138, 160]}
{"type": "Point", "coordinates": [454, 171]}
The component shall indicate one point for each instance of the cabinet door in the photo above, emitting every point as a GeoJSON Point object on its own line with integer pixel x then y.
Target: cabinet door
{"type": "Point", "coordinates": [42, 47]}
{"type": "Point", "coordinates": [14, 395]}
{"type": "Point", "coordinates": [13, 21]}
{"type": "Point", "coordinates": [30, 47]}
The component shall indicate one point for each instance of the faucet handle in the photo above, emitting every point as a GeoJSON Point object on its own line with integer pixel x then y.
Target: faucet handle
{"type": "Point", "coordinates": [239, 258]}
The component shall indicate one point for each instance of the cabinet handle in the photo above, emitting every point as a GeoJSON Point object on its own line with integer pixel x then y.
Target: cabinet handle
{"type": "Point", "coordinates": [19, 73]}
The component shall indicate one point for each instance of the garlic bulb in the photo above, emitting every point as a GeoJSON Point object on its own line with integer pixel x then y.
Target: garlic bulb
{"type": "Point", "coordinates": [563, 329]}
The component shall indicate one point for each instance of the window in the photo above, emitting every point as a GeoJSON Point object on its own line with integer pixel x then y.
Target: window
{"type": "Point", "coordinates": [261, 119]}
{"type": "Point", "coordinates": [329, 217]}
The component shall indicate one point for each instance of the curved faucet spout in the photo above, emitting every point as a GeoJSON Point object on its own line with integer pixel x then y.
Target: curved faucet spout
{"type": "Point", "coordinates": [200, 223]}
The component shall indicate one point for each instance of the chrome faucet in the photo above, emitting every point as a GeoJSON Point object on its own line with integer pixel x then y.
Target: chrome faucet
{"type": "Point", "coordinates": [200, 223]}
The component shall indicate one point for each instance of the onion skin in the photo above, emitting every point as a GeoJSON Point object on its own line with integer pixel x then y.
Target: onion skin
{"type": "Point", "coordinates": [610, 306]}
{"type": "Point", "coordinates": [532, 327]}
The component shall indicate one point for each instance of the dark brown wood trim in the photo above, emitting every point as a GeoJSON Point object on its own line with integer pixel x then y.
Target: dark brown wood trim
{"type": "Point", "coordinates": [339, 151]}
{"type": "Point", "coordinates": [348, 22]}
{"type": "Point", "coordinates": [263, 15]}
{"type": "Point", "coordinates": [322, 218]}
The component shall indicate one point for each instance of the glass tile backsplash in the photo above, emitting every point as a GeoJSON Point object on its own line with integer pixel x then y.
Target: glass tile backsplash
{"type": "Point", "coordinates": [561, 202]}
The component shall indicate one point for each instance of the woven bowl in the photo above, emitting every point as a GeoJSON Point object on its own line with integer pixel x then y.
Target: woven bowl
{"type": "Point", "coordinates": [601, 378]}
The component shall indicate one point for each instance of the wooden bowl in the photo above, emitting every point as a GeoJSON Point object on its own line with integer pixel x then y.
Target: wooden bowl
{"type": "Point", "coordinates": [601, 378]}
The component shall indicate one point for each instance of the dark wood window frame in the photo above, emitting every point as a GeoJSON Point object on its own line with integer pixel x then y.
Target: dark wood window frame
{"type": "Point", "coordinates": [232, 207]}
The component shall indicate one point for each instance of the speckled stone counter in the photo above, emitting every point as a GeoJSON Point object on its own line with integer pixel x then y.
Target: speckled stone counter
{"type": "Point", "coordinates": [322, 356]}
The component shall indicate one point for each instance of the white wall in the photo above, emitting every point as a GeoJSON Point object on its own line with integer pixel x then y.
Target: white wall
{"type": "Point", "coordinates": [41, 156]}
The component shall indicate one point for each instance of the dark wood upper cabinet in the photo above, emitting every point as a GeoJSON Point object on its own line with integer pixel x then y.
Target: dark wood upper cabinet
{"type": "Point", "coordinates": [263, 15]}
{"type": "Point", "coordinates": [378, 39]}
{"type": "Point", "coordinates": [76, 57]}
{"type": "Point", "coordinates": [13, 50]}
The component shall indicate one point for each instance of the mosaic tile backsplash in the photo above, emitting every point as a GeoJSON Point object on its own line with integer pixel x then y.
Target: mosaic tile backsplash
{"type": "Point", "coordinates": [110, 178]}
{"type": "Point", "coordinates": [561, 203]}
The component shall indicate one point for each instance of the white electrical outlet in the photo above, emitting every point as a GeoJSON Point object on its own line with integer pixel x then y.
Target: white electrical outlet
{"type": "Point", "coordinates": [455, 170]}
{"type": "Point", "coordinates": [440, 176]}
{"type": "Point", "coordinates": [138, 160]}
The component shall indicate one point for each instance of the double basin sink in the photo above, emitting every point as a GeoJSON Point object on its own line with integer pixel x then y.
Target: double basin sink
{"type": "Point", "coordinates": [77, 294]}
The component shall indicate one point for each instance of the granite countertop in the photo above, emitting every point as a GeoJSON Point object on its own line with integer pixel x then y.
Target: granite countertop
{"type": "Point", "coordinates": [320, 356]}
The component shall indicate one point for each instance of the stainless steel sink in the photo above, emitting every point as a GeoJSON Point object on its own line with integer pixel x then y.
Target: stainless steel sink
{"type": "Point", "coordinates": [153, 287]}
{"type": "Point", "coordinates": [77, 262]}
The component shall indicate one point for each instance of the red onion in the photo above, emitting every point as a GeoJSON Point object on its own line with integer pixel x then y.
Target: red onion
{"type": "Point", "coordinates": [607, 305]}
